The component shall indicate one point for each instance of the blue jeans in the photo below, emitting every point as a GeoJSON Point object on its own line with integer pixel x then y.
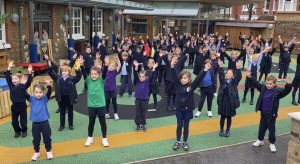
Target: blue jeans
{"type": "Point", "coordinates": [126, 80]}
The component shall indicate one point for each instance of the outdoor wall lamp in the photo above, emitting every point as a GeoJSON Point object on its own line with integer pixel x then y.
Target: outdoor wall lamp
{"type": "Point", "coordinates": [87, 18]}
{"type": "Point", "coordinates": [15, 18]}
{"type": "Point", "coordinates": [66, 18]}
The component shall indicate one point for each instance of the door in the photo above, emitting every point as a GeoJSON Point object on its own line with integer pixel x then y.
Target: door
{"type": "Point", "coordinates": [41, 36]}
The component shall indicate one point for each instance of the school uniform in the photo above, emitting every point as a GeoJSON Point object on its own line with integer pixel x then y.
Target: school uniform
{"type": "Point", "coordinates": [296, 82]}
{"type": "Point", "coordinates": [268, 103]}
{"type": "Point", "coordinates": [284, 60]}
{"type": "Point", "coordinates": [126, 75]}
{"type": "Point", "coordinates": [18, 99]}
{"type": "Point", "coordinates": [207, 89]}
{"type": "Point", "coordinates": [266, 63]}
{"type": "Point", "coordinates": [198, 65]}
{"type": "Point", "coordinates": [110, 88]}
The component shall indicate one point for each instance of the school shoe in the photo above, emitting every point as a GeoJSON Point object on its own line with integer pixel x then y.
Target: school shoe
{"type": "Point", "coordinates": [105, 142]}
{"type": "Point", "coordinates": [174, 108]}
{"type": "Point", "coordinates": [294, 103]}
{"type": "Point", "coordinates": [251, 102]}
{"type": "Point", "coordinates": [61, 128]}
{"type": "Point", "coordinates": [144, 128]}
{"type": "Point", "coordinates": [71, 127]}
{"type": "Point", "coordinates": [216, 94]}
{"type": "Point", "coordinates": [169, 108]}
{"type": "Point", "coordinates": [243, 101]}
{"type": "Point", "coordinates": [176, 145]}
{"type": "Point", "coordinates": [258, 143]}
{"type": "Point", "coordinates": [57, 111]}
{"type": "Point", "coordinates": [185, 146]}
{"type": "Point", "coordinates": [272, 148]}
{"type": "Point", "coordinates": [209, 114]}
{"type": "Point", "coordinates": [35, 156]}
{"type": "Point", "coordinates": [49, 155]}
{"type": "Point", "coordinates": [89, 141]}
{"type": "Point", "coordinates": [227, 133]}
{"type": "Point", "coordinates": [221, 133]}
{"type": "Point", "coordinates": [116, 116]}
{"type": "Point", "coordinates": [107, 116]}
{"type": "Point", "coordinates": [198, 113]}
{"type": "Point", "coordinates": [17, 135]}
{"type": "Point", "coordinates": [24, 134]}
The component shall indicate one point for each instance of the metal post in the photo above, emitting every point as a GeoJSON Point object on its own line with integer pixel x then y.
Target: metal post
{"type": "Point", "coordinates": [91, 26]}
{"type": "Point", "coordinates": [21, 4]}
{"type": "Point", "coordinates": [96, 22]}
{"type": "Point", "coordinates": [31, 21]}
{"type": "Point", "coordinates": [70, 21]}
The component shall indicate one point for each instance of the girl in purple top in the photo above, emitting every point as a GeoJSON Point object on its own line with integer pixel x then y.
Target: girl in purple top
{"type": "Point", "coordinates": [110, 85]}
{"type": "Point", "coordinates": [142, 96]}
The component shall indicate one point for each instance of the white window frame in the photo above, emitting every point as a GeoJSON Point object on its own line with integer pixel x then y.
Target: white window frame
{"type": "Point", "coordinates": [99, 33]}
{"type": "Point", "coordinates": [80, 34]}
{"type": "Point", "coordinates": [283, 7]}
{"type": "Point", "coordinates": [3, 25]}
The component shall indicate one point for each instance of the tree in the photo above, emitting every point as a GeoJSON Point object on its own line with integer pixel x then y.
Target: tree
{"type": "Point", "coordinates": [250, 8]}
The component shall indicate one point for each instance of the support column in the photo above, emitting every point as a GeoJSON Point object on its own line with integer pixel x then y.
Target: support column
{"type": "Point", "coordinates": [32, 46]}
{"type": "Point", "coordinates": [71, 41]}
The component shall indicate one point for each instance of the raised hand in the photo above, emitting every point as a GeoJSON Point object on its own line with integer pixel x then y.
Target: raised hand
{"type": "Point", "coordinates": [288, 80]}
{"type": "Point", "coordinates": [155, 65]}
{"type": "Point", "coordinates": [238, 65]}
{"type": "Point", "coordinates": [74, 56]}
{"type": "Point", "coordinates": [29, 68]}
{"type": "Point", "coordinates": [97, 55]}
{"type": "Point", "coordinates": [220, 63]}
{"type": "Point", "coordinates": [106, 60]}
{"type": "Point", "coordinates": [11, 64]}
{"type": "Point", "coordinates": [46, 56]}
{"type": "Point", "coordinates": [248, 73]}
{"type": "Point", "coordinates": [48, 81]}
{"type": "Point", "coordinates": [135, 63]}
{"type": "Point", "coordinates": [173, 63]}
{"type": "Point", "coordinates": [81, 60]}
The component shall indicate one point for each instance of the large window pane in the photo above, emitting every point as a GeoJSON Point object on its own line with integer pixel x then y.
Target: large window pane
{"type": "Point", "coordinates": [139, 26]}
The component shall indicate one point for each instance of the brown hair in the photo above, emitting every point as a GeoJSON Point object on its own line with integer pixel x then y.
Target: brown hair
{"type": "Point", "coordinates": [271, 78]}
{"type": "Point", "coordinates": [207, 61]}
{"type": "Point", "coordinates": [188, 74]}
{"type": "Point", "coordinates": [143, 72]}
{"type": "Point", "coordinates": [97, 69]}
{"type": "Point", "coordinates": [39, 86]}
{"type": "Point", "coordinates": [19, 75]}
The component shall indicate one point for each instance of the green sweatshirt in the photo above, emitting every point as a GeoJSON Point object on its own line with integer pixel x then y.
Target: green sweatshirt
{"type": "Point", "coordinates": [95, 93]}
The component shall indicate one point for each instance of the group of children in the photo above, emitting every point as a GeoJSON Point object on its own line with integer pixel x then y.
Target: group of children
{"type": "Point", "coordinates": [167, 63]}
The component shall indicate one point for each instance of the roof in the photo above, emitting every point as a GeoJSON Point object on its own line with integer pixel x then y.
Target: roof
{"type": "Point", "coordinates": [256, 24]}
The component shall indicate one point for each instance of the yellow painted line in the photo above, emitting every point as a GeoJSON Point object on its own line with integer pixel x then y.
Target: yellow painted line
{"type": "Point", "coordinates": [23, 154]}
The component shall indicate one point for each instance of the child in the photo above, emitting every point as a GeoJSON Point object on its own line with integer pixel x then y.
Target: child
{"type": "Point", "coordinates": [207, 88]}
{"type": "Point", "coordinates": [142, 97]}
{"type": "Point", "coordinates": [88, 62]}
{"type": "Point", "coordinates": [266, 62]}
{"type": "Point", "coordinates": [253, 67]}
{"type": "Point", "coordinates": [268, 103]}
{"type": "Point", "coordinates": [17, 96]}
{"type": "Point", "coordinates": [233, 59]}
{"type": "Point", "coordinates": [126, 73]}
{"type": "Point", "coordinates": [140, 58]}
{"type": "Point", "coordinates": [153, 83]}
{"type": "Point", "coordinates": [285, 57]}
{"type": "Point", "coordinates": [184, 102]}
{"type": "Point", "coordinates": [201, 56]}
{"type": "Point", "coordinates": [296, 82]}
{"type": "Point", "coordinates": [65, 92]}
{"type": "Point", "coordinates": [96, 100]}
{"type": "Point", "coordinates": [110, 85]}
{"type": "Point", "coordinates": [228, 97]}
{"type": "Point", "coordinates": [39, 115]}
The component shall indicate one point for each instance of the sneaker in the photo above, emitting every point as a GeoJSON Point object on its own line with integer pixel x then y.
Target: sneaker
{"type": "Point", "coordinates": [137, 128]}
{"type": "Point", "coordinates": [116, 116]}
{"type": "Point", "coordinates": [216, 94]}
{"type": "Point", "coordinates": [272, 148]}
{"type": "Point", "coordinates": [209, 114]}
{"type": "Point", "coordinates": [294, 103]}
{"type": "Point", "coordinates": [24, 134]}
{"type": "Point", "coordinates": [71, 127]}
{"type": "Point", "coordinates": [258, 143]}
{"type": "Point", "coordinates": [185, 146]}
{"type": "Point", "coordinates": [243, 101]}
{"type": "Point", "coordinates": [105, 142]}
{"type": "Point", "coordinates": [17, 135]}
{"type": "Point", "coordinates": [227, 133]}
{"type": "Point", "coordinates": [221, 133]}
{"type": "Point", "coordinates": [35, 156]}
{"type": "Point", "coordinates": [61, 128]}
{"type": "Point", "coordinates": [144, 128]}
{"type": "Point", "coordinates": [57, 111]}
{"type": "Point", "coordinates": [174, 108]}
{"type": "Point", "coordinates": [89, 141]}
{"type": "Point", "coordinates": [176, 145]}
{"type": "Point", "coordinates": [107, 116]}
{"type": "Point", "coordinates": [49, 155]}
{"type": "Point", "coordinates": [198, 113]}
{"type": "Point", "coordinates": [169, 108]}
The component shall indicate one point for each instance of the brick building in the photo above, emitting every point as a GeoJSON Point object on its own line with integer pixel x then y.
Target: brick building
{"type": "Point", "coordinates": [60, 19]}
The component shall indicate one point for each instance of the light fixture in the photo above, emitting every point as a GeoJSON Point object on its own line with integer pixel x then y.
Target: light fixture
{"type": "Point", "coordinates": [128, 20]}
{"type": "Point", "coordinates": [15, 18]}
{"type": "Point", "coordinates": [87, 18]}
{"type": "Point", "coordinates": [66, 18]}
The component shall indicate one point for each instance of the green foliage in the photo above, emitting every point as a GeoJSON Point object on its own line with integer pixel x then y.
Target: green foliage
{"type": "Point", "coordinates": [3, 18]}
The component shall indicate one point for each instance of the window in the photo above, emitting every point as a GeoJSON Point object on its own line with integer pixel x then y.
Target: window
{"type": "Point", "coordinates": [245, 8]}
{"type": "Point", "coordinates": [287, 5]}
{"type": "Point", "coordinates": [98, 16]}
{"type": "Point", "coordinates": [77, 23]}
{"type": "Point", "coordinates": [267, 5]}
{"type": "Point", "coordinates": [2, 27]}
{"type": "Point", "coordinates": [139, 26]}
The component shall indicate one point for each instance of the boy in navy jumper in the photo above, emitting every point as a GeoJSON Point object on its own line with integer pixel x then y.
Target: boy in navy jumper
{"type": "Point", "coordinates": [39, 115]}
{"type": "Point", "coordinates": [88, 61]}
{"type": "Point", "coordinates": [17, 96]}
{"type": "Point", "coordinates": [142, 97]}
{"type": "Point", "coordinates": [268, 104]}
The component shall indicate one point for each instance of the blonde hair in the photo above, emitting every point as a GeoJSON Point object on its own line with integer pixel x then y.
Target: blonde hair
{"type": "Point", "coordinates": [271, 78]}
{"type": "Point", "coordinates": [65, 68]}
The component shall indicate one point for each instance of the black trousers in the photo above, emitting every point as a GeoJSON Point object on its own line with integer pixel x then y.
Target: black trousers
{"type": "Point", "coordinates": [267, 122]}
{"type": "Point", "coordinates": [206, 92]}
{"type": "Point", "coordinates": [140, 111]}
{"type": "Point", "coordinates": [88, 71]}
{"type": "Point", "coordinates": [65, 105]}
{"type": "Point", "coordinates": [111, 95]}
{"type": "Point", "coordinates": [191, 58]}
{"type": "Point", "coordinates": [43, 128]}
{"type": "Point", "coordinates": [19, 110]}
{"type": "Point", "coordinates": [283, 68]}
{"type": "Point", "coordinates": [161, 73]}
{"type": "Point", "coordinates": [93, 113]}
